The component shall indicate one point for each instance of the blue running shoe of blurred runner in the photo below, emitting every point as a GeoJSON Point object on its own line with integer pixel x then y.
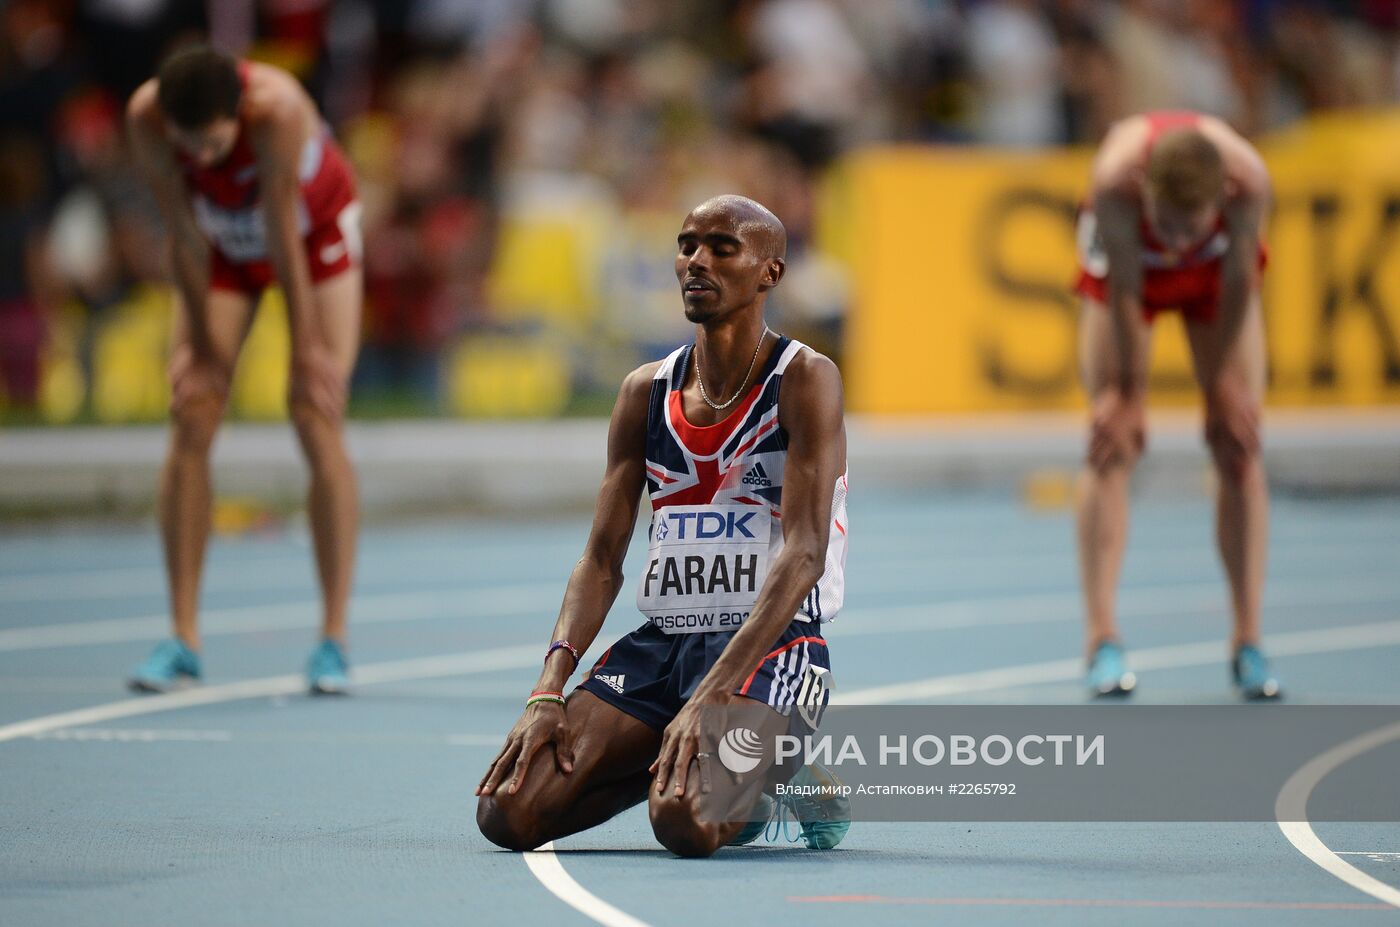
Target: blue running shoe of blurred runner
{"type": "Point", "coordinates": [1255, 680]}
{"type": "Point", "coordinates": [1107, 674]}
{"type": "Point", "coordinates": [170, 664]}
{"type": "Point", "coordinates": [328, 672]}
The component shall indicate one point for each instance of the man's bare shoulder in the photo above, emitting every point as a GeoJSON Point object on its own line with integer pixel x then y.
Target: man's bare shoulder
{"type": "Point", "coordinates": [811, 371]}
{"type": "Point", "coordinates": [1118, 162]}
{"type": "Point", "coordinates": [1243, 164]}
{"type": "Point", "coordinates": [273, 95]}
{"type": "Point", "coordinates": [636, 386]}
{"type": "Point", "coordinates": [143, 109]}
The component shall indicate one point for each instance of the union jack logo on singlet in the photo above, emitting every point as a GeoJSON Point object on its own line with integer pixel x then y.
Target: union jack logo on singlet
{"type": "Point", "coordinates": [717, 505]}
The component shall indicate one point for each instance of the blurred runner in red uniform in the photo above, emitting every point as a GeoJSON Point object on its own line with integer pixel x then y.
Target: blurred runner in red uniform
{"type": "Point", "coordinates": [254, 191]}
{"type": "Point", "coordinates": [1174, 221]}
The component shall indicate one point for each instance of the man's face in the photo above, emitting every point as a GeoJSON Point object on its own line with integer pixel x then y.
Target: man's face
{"type": "Point", "coordinates": [722, 264]}
{"type": "Point", "coordinates": [208, 145]}
{"type": "Point", "coordinates": [1180, 230]}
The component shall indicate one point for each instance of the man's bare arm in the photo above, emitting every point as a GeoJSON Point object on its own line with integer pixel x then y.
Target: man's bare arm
{"type": "Point", "coordinates": [597, 577]}
{"type": "Point", "coordinates": [1120, 217]}
{"type": "Point", "coordinates": [278, 137]}
{"type": "Point", "coordinates": [1245, 212]}
{"type": "Point", "coordinates": [189, 252]}
{"type": "Point", "coordinates": [810, 408]}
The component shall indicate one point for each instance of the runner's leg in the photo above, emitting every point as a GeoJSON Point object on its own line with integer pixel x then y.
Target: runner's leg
{"type": "Point", "coordinates": [332, 498]}
{"type": "Point", "coordinates": [197, 407]}
{"type": "Point", "coordinates": [1102, 498]}
{"type": "Point", "coordinates": [695, 823]}
{"type": "Point", "coordinates": [1242, 501]}
{"type": "Point", "coordinates": [612, 751]}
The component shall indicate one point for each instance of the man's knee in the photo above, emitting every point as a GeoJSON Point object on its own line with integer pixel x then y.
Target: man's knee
{"type": "Point", "coordinates": [321, 435]}
{"type": "Point", "coordinates": [1118, 457]}
{"type": "Point", "coordinates": [308, 418]}
{"type": "Point", "coordinates": [677, 824]}
{"type": "Point", "coordinates": [195, 420]}
{"type": "Point", "coordinates": [509, 821]}
{"type": "Point", "coordinates": [1233, 454]}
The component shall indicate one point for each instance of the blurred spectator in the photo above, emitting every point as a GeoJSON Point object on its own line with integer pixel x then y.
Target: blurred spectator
{"type": "Point", "coordinates": [523, 163]}
{"type": "Point", "coordinates": [1016, 66]}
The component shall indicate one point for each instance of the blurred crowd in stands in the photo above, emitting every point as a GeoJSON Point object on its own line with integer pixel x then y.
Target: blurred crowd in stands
{"type": "Point", "coordinates": [524, 164]}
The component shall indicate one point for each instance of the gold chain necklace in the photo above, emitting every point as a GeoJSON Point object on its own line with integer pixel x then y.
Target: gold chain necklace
{"type": "Point", "coordinates": [720, 407]}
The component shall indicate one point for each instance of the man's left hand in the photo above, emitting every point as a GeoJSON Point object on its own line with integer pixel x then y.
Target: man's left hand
{"type": "Point", "coordinates": [690, 736]}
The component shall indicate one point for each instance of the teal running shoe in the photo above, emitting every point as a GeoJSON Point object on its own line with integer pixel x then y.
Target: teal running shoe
{"type": "Point", "coordinates": [1253, 678]}
{"type": "Point", "coordinates": [1108, 676]}
{"type": "Point", "coordinates": [823, 814]}
{"type": "Point", "coordinates": [171, 664]}
{"type": "Point", "coordinates": [328, 672]}
{"type": "Point", "coordinates": [762, 813]}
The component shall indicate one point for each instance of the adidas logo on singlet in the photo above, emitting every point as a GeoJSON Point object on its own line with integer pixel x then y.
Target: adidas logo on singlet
{"type": "Point", "coordinates": [757, 476]}
{"type": "Point", "coordinates": [616, 682]}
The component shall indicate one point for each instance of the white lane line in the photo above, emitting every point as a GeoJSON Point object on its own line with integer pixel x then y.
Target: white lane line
{"type": "Point", "coordinates": [453, 664]}
{"type": "Point", "coordinates": [1174, 656]}
{"type": "Point", "coordinates": [529, 598]}
{"type": "Point", "coordinates": [467, 602]}
{"type": "Point", "coordinates": [110, 583]}
{"type": "Point", "coordinates": [165, 735]}
{"type": "Point", "coordinates": [1291, 811]}
{"type": "Point", "coordinates": [545, 866]}
{"type": "Point", "coordinates": [1134, 602]}
{"type": "Point", "coordinates": [116, 582]}
{"type": "Point", "coordinates": [282, 572]}
{"type": "Point", "coordinates": [146, 735]}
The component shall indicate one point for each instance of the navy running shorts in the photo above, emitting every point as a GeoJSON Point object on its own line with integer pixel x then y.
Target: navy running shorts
{"type": "Point", "coordinates": [650, 674]}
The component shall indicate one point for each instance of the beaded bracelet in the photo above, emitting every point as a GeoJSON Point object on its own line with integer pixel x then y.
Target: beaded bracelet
{"type": "Point", "coordinates": [555, 697]}
{"type": "Point", "coordinates": [564, 645]}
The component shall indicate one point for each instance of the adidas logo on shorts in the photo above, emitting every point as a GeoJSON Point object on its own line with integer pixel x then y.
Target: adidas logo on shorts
{"type": "Point", "coordinates": [757, 476]}
{"type": "Point", "coordinates": [616, 682]}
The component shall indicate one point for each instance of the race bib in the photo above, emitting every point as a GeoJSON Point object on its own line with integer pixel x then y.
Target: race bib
{"type": "Point", "coordinates": [239, 233]}
{"type": "Point", "coordinates": [705, 567]}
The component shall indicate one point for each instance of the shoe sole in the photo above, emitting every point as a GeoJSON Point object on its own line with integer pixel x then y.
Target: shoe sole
{"type": "Point", "coordinates": [147, 687]}
{"type": "Point", "coordinates": [1127, 683]}
{"type": "Point", "coordinates": [323, 688]}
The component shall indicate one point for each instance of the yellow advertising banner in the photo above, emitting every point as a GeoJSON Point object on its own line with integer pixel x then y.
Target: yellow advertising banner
{"type": "Point", "coordinates": [963, 261]}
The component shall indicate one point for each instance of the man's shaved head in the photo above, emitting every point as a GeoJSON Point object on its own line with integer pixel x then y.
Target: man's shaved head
{"type": "Point", "coordinates": [731, 253]}
{"type": "Point", "coordinates": [748, 217]}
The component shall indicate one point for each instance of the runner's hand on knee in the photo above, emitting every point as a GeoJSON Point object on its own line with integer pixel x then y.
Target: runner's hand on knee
{"type": "Point", "coordinates": [317, 382]}
{"type": "Point", "coordinates": [1232, 424]}
{"type": "Point", "coordinates": [196, 378]}
{"type": "Point", "coordinates": [1118, 433]}
{"type": "Point", "coordinates": [680, 744]}
{"type": "Point", "coordinates": [542, 723]}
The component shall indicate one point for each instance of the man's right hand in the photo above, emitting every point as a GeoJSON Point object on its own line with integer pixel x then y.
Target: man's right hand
{"type": "Point", "coordinates": [1119, 430]}
{"type": "Point", "coordinates": [542, 723]}
{"type": "Point", "coordinates": [195, 376]}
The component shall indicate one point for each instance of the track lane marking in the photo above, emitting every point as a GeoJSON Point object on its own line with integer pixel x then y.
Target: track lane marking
{"type": "Point", "coordinates": [1291, 812]}
{"type": "Point", "coordinates": [387, 608]}
{"type": "Point", "coordinates": [526, 598]}
{"type": "Point", "coordinates": [1093, 903]}
{"type": "Point", "coordinates": [455, 664]}
{"type": "Point", "coordinates": [544, 865]}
